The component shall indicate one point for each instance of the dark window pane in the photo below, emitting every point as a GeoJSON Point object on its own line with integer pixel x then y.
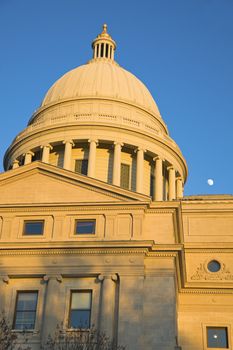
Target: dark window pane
{"type": "Point", "coordinates": [80, 309]}
{"type": "Point", "coordinates": [85, 227]}
{"type": "Point", "coordinates": [125, 169]}
{"type": "Point", "coordinates": [81, 166]}
{"type": "Point", "coordinates": [25, 320]}
{"type": "Point", "coordinates": [33, 227]}
{"type": "Point", "coordinates": [25, 313]}
{"type": "Point", "coordinates": [152, 181]}
{"type": "Point", "coordinates": [217, 337]}
{"type": "Point", "coordinates": [80, 319]}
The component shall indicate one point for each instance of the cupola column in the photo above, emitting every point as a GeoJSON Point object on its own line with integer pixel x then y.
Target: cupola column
{"type": "Point", "coordinates": [45, 153]}
{"type": "Point", "coordinates": [171, 183]}
{"type": "Point", "coordinates": [179, 187]}
{"type": "Point", "coordinates": [116, 178]}
{"type": "Point", "coordinates": [108, 303]}
{"type": "Point", "coordinates": [140, 170]}
{"type": "Point", "coordinates": [28, 157]}
{"type": "Point", "coordinates": [158, 185]}
{"type": "Point", "coordinates": [15, 164]}
{"type": "Point", "coordinates": [67, 154]}
{"type": "Point", "coordinates": [92, 158]}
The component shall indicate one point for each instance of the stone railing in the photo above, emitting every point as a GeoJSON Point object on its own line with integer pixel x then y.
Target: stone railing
{"type": "Point", "coordinates": [118, 120]}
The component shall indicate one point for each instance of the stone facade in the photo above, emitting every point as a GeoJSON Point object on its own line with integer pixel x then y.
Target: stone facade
{"type": "Point", "coordinates": [158, 266]}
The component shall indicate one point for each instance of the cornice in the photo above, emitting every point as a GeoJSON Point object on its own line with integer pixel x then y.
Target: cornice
{"type": "Point", "coordinates": [88, 251]}
{"type": "Point", "coordinates": [68, 207]}
{"type": "Point", "coordinates": [205, 291]}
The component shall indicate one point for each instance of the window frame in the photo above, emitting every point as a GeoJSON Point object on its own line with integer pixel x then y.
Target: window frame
{"type": "Point", "coordinates": [216, 325]}
{"type": "Point", "coordinates": [84, 220]}
{"type": "Point", "coordinates": [18, 292]}
{"type": "Point", "coordinates": [33, 234]}
{"type": "Point", "coordinates": [72, 291]}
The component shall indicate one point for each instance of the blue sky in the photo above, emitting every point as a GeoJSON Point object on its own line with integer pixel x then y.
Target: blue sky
{"type": "Point", "coordinates": [181, 49]}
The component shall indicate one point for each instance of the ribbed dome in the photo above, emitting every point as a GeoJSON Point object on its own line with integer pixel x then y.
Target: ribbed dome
{"type": "Point", "coordinates": [101, 78]}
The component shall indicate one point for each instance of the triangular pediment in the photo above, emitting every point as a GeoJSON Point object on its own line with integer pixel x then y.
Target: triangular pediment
{"type": "Point", "coordinates": [38, 183]}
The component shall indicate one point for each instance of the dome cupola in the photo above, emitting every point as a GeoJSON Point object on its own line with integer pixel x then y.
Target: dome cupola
{"type": "Point", "coordinates": [104, 46]}
{"type": "Point", "coordinates": [101, 121]}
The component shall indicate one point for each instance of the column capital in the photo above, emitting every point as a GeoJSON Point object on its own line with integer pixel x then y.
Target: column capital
{"type": "Point", "coordinates": [113, 277]}
{"type": "Point", "coordinates": [5, 279]}
{"type": "Point", "coordinates": [140, 149]}
{"type": "Point", "coordinates": [118, 143]}
{"type": "Point", "coordinates": [47, 145]}
{"type": "Point", "coordinates": [179, 178]}
{"type": "Point", "coordinates": [158, 158]}
{"type": "Point", "coordinates": [29, 153]}
{"type": "Point", "coordinates": [49, 277]}
{"type": "Point", "coordinates": [100, 277]}
{"type": "Point", "coordinates": [171, 167]}
{"type": "Point", "coordinates": [93, 140]}
{"type": "Point", "coordinates": [68, 141]}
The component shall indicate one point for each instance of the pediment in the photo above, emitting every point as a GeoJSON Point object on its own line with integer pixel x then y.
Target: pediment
{"type": "Point", "coordinates": [39, 183]}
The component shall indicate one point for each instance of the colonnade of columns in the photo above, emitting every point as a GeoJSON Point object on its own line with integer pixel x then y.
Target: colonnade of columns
{"type": "Point", "coordinates": [175, 183]}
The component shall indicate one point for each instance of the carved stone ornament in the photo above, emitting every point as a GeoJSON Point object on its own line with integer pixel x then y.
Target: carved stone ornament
{"type": "Point", "coordinates": [202, 273]}
{"type": "Point", "coordinates": [57, 278]}
{"type": "Point", "coordinates": [5, 279]}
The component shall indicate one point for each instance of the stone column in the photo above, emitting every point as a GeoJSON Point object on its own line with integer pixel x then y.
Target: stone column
{"type": "Point", "coordinates": [140, 170]}
{"type": "Point", "coordinates": [15, 164]}
{"type": "Point", "coordinates": [45, 153]}
{"type": "Point", "coordinates": [28, 157]}
{"type": "Point", "coordinates": [116, 176]}
{"type": "Point", "coordinates": [67, 154]}
{"type": "Point", "coordinates": [179, 187]}
{"type": "Point", "coordinates": [92, 158]}
{"type": "Point", "coordinates": [171, 183]}
{"type": "Point", "coordinates": [4, 281]}
{"type": "Point", "coordinates": [108, 304]}
{"type": "Point", "coordinates": [158, 185]}
{"type": "Point", "coordinates": [52, 303]}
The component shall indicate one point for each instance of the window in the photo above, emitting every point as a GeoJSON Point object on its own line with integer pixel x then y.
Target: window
{"type": "Point", "coordinates": [152, 183]}
{"type": "Point", "coordinates": [81, 166]}
{"type": "Point", "coordinates": [217, 337]}
{"type": "Point", "coordinates": [214, 266]}
{"type": "Point", "coordinates": [25, 310]}
{"type": "Point", "coordinates": [85, 227]}
{"type": "Point", "coordinates": [80, 309]}
{"type": "Point", "coordinates": [125, 169]}
{"type": "Point", "coordinates": [33, 228]}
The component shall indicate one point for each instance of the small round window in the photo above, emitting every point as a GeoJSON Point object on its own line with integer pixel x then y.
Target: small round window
{"type": "Point", "coordinates": [214, 266]}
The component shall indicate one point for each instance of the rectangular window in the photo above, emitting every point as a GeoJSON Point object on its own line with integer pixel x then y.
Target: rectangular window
{"type": "Point", "coordinates": [80, 309]}
{"type": "Point", "coordinates": [85, 227]}
{"type": "Point", "coordinates": [81, 166]}
{"type": "Point", "coordinates": [125, 170]}
{"type": "Point", "coordinates": [25, 310]}
{"type": "Point", "coordinates": [33, 228]}
{"type": "Point", "coordinates": [217, 337]}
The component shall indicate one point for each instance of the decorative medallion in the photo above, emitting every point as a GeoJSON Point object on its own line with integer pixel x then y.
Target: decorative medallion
{"type": "Point", "coordinates": [212, 270]}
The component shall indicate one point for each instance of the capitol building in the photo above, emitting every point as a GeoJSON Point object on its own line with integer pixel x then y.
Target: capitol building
{"type": "Point", "coordinates": [94, 226]}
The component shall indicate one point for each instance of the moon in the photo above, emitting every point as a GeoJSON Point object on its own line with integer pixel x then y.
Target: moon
{"type": "Point", "coordinates": [210, 182]}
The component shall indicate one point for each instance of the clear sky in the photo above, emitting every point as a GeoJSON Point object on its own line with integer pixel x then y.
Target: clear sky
{"type": "Point", "coordinates": [181, 49]}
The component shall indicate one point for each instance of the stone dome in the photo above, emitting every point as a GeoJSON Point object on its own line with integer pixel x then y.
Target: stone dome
{"type": "Point", "coordinates": [100, 121]}
{"type": "Point", "coordinates": [101, 78]}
